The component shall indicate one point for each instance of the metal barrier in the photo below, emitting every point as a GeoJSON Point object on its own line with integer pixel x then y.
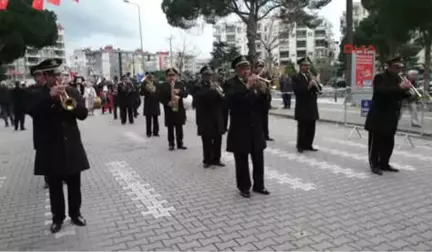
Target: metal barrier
{"type": "Point", "coordinates": [415, 119]}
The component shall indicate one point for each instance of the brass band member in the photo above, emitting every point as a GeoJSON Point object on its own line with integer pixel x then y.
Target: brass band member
{"type": "Point", "coordinates": [126, 100]}
{"type": "Point", "coordinates": [246, 100]}
{"type": "Point", "coordinates": [306, 89]}
{"type": "Point", "coordinates": [259, 70]}
{"type": "Point", "coordinates": [382, 120]}
{"type": "Point", "coordinates": [222, 79]}
{"type": "Point", "coordinates": [209, 112]}
{"type": "Point", "coordinates": [60, 154]}
{"type": "Point", "coordinates": [171, 96]}
{"type": "Point", "coordinates": [151, 105]}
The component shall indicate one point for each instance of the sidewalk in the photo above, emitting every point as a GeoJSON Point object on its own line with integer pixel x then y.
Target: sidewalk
{"type": "Point", "coordinates": [335, 113]}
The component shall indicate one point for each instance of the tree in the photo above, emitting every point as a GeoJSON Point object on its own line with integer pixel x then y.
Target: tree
{"type": "Point", "coordinates": [184, 54]}
{"type": "Point", "coordinates": [184, 13]}
{"type": "Point", "coordinates": [270, 41]}
{"type": "Point", "coordinates": [222, 55]}
{"type": "Point", "coordinates": [290, 69]}
{"type": "Point", "coordinates": [22, 27]}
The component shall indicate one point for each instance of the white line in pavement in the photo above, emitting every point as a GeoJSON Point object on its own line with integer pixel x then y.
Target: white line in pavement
{"type": "Point", "coordinates": [130, 181]}
{"type": "Point", "coordinates": [67, 229]}
{"type": "Point", "coordinates": [134, 137]}
{"type": "Point", "coordinates": [398, 152]}
{"type": "Point", "coordinates": [295, 183]}
{"type": "Point", "coordinates": [348, 172]}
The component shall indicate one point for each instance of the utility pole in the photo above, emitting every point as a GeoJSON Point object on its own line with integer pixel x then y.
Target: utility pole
{"type": "Point", "coordinates": [350, 41]}
{"type": "Point", "coordinates": [171, 52]}
{"type": "Point", "coordinates": [120, 64]}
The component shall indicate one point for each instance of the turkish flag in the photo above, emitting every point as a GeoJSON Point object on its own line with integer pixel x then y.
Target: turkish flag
{"type": "Point", "coordinates": [4, 4]}
{"type": "Point", "coordinates": [38, 4]}
{"type": "Point", "coordinates": [55, 2]}
{"type": "Point", "coordinates": [76, 1]}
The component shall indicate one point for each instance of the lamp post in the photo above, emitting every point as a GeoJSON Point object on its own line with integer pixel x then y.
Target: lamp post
{"type": "Point", "coordinates": [140, 30]}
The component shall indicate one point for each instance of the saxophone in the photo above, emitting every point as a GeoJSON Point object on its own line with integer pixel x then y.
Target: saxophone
{"type": "Point", "coordinates": [174, 98]}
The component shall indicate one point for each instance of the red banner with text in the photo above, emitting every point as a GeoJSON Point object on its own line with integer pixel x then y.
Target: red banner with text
{"type": "Point", "coordinates": [364, 69]}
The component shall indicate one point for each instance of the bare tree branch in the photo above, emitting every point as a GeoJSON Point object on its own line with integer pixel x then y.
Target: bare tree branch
{"type": "Point", "coordinates": [269, 10]}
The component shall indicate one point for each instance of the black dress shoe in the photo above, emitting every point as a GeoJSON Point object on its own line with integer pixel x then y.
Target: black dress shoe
{"type": "Point", "coordinates": [262, 191]}
{"type": "Point", "coordinates": [312, 149]}
{"type": "Point", "coordinates": [377, 171]}
{"type": "Point", "coordinates": [79, 221]}
{"type": "Point", "coordinates": [171, 148]}
{"type": "Point", "coordinates": [206, 165]}
{"type": "Point", "coordinates": [245, 194]}
{"type": "Point", "coordinates": [219, 163]}
{"type": "Point", "coordinates": [389, 169]}
{"type": "Point", "coordinates": [299, 150]}
{"type": "Point", "coordinates": [56, 227]}
{"type": "Point", "coordinates": [269, 139]}
{"type": "Point", "coordinates": [155, 134]}
{"type": "Point", "coordinates": [46, 186]}
{"type": "Point", "coordinates": [182, 147]}
{"type": "Point", "coordinates": [149, 135]}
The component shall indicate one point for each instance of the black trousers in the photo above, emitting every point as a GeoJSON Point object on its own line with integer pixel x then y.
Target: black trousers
{"type": "Point", "coordinates": [152, 121]}
{"type": "Point", "coordinates": [178, 135]}
{"type": "Point", "coordinates": [225, 118]}
{"type": "Point", "coordinates": [115, 108]}
{"type": "Point", "coordinates": [242, 171]}
{"type": "Point", "coordinates": [380, 149]}
{"type": "Point", "coordinates": [211, 149]}
{"type": "Point", "coordinates": [57, 198]}
{"type": "Point", "coordinates": [5, 113]}
{"type": "Point", "coordinates": [265, 125]}
{"type": "Point", "coordinates": [286, 100]}
{"type": "Point", "coordinates": [19, 119]}
{"type": "Point", "coordinates": [305, 134]}
{"type": "Point", "coordinates": [126, 112]}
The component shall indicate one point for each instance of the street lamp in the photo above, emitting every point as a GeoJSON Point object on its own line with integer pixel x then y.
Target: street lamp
{"type": "Point", "coordinates": [140, 29]}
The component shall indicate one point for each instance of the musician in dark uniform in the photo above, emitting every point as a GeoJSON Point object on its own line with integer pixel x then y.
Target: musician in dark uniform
{"type": "Point", "coordinates": [306, 90]}
{"type": "Point", "coordinates": [246, 100]}
{"type": "Point", "coordinates": [259, 70]}
{"type": "Point", "coordinates": [209, 115]}
{"type": "Point", "coordinates": [115, 97]}
{"type": "Point", "coordinates": [151, 105]}
{"type": "Point", "coordinates": [126, 100]}
{"type": "Point", "coordinates": [18, 104]}
{"type": "Point", "coordinates": [382, 120]}
{"type": "Point", "coordinates": [171, 96]}
{"type": "Point", "coordinates": [222, 80]}
{"type": "Point", "coordinates": [60, 154]}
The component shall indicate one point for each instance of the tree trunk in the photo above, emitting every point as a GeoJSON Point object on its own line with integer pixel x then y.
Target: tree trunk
{"type": "Point", "coordinates": [426, 76]}
{"type": "Point", "coordinates": [251, 28]}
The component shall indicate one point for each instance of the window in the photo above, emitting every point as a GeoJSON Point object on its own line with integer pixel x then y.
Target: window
{"type": "Point", "coordinates": [230, 38]}
{"type": "Point", "coordinates": [301, 54]}
{"type": "Point", "coordinates": [284, 35]}
{"type": "Point", "coordinates": [284, 54]}
{"type": "Point", "coordinates": [321, 43]}
{"type": "Point", "coordinates": [320, 33]}
{"type": "Point", "coordinates": [301, 34]}
{"type": "Point", "coordinates": [310, 34]}
{"type": "Point", "coordinates": [230, 29]}
{"type": "Point", "coordinates": [301, 43]}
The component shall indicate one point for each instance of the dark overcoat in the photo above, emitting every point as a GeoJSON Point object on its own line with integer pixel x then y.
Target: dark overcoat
{"type": "Point", "coordinates": [209, 110]}
{"type": "Point", "coordinates": [59, 149]}
{"type": "Point", "coordinates": [19, 99]}
{"type": "Point", "coordinates": [151, 100]}
{"type": "Point", "coordinates": [306, 106]}
{"type": "Point", "coordinates": [385, 110]}
{"type": "Point", "coordinates": [245, 133]}
{"type": "Point", "coordinates": [173, 118]}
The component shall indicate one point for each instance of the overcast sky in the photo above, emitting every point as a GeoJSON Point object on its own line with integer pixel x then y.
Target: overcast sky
{"type": "Point", "coordinates": [96, 23]}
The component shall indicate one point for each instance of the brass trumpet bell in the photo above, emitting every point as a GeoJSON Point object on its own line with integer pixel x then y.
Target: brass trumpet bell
{"type": "Point", "coordinates": [68, 103]}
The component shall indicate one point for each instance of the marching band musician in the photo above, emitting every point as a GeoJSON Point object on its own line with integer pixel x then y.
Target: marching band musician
{"type": "Point", "coordinates": [209, 115]}
{"type": "Point", "coordinates": [259, 69]}
{"type": "Point", "coordinates": [60, 154]}
{"type": "Point", "coordinates": [171, 96]}
{"type": "Point", "coordinates": [383, 116]}
{"type": "Point", "coordinates": [246, 99]}
{"type": "Point", "coordinates": [225, 86]}
{"type": "Point", "coordinates": [115, 97]}
{"type": "Point", "coordinates": [151, 105]}
{"type": "Point", "coordinates": [306, 91]}
{"type": "Point", "coordinates": [126, 100]}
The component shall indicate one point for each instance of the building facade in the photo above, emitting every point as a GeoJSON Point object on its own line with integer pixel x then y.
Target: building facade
{"type": "Point", "coordinates": [20, 68]}
{"type": "Point", "coordinates": [284, 43]}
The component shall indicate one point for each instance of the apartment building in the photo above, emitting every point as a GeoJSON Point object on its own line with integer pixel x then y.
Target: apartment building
{"type": "Point", "coordinates": [285, 42]}
{"type": "Point", "coordinates": [20, 68]}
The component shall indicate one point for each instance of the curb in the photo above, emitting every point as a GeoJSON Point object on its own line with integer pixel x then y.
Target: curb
{"type": "Point", "coordinates": [412, 133]}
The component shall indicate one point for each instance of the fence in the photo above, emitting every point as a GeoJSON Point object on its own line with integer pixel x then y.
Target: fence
{"type": "Point", "coordinates": [415, 119]}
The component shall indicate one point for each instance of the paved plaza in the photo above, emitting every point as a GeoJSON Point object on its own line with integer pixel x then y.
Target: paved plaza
{"type": "Point", "coordinates": [140, 196]}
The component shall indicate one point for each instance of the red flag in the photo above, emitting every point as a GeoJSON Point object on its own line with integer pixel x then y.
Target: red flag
{"type": "Point", "coordinates": [76, 1]}
{"type": "Point", "coordinates": [4, 4]}
{"type": "Point", "coordinates": [38, 4]}
{"type": "Point", "coordinates": [55, 2]}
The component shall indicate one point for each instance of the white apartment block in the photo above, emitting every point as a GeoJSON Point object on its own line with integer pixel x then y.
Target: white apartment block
{"type": "Point", "coordinates": [20, 68]}
{"type": "Point", "coordinates": [288, 42]}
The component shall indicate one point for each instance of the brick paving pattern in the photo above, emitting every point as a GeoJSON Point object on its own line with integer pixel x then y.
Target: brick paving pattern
{"type": "Point", "coordinates": [140, 196]}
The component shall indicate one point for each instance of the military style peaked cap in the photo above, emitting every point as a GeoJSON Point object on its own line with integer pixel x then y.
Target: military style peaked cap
{"type": "Point", "coordinates": [206, 70]}
{"type": "Point", "coordinates": [304, 61]}
{"type": "Point", "coordinates": [171, 70]}
{"type": "Point", "coordinates": [397, 61]}
{"type": "Point", "coordinates": [240, 60]}
{"type": "Point", "coordinates": [45, 66]}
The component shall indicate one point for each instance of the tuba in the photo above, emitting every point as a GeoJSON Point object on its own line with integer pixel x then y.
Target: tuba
{"type": "Point", "coordinates": [174, 98]}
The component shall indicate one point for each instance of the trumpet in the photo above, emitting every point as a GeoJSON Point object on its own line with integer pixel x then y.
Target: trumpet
{"type": "Point", "coordinates": [259, 83]}
{"type": "Point", "coordinates": [67, 102]}
{"type": "Point", "coordinates": [413, 91]}
{"type": "Point", "coordinates": [217, 87]}
{"type": "Point", "coordinates": [314, 79]}
{"type": "Point", "coordinates": [150, 87]}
